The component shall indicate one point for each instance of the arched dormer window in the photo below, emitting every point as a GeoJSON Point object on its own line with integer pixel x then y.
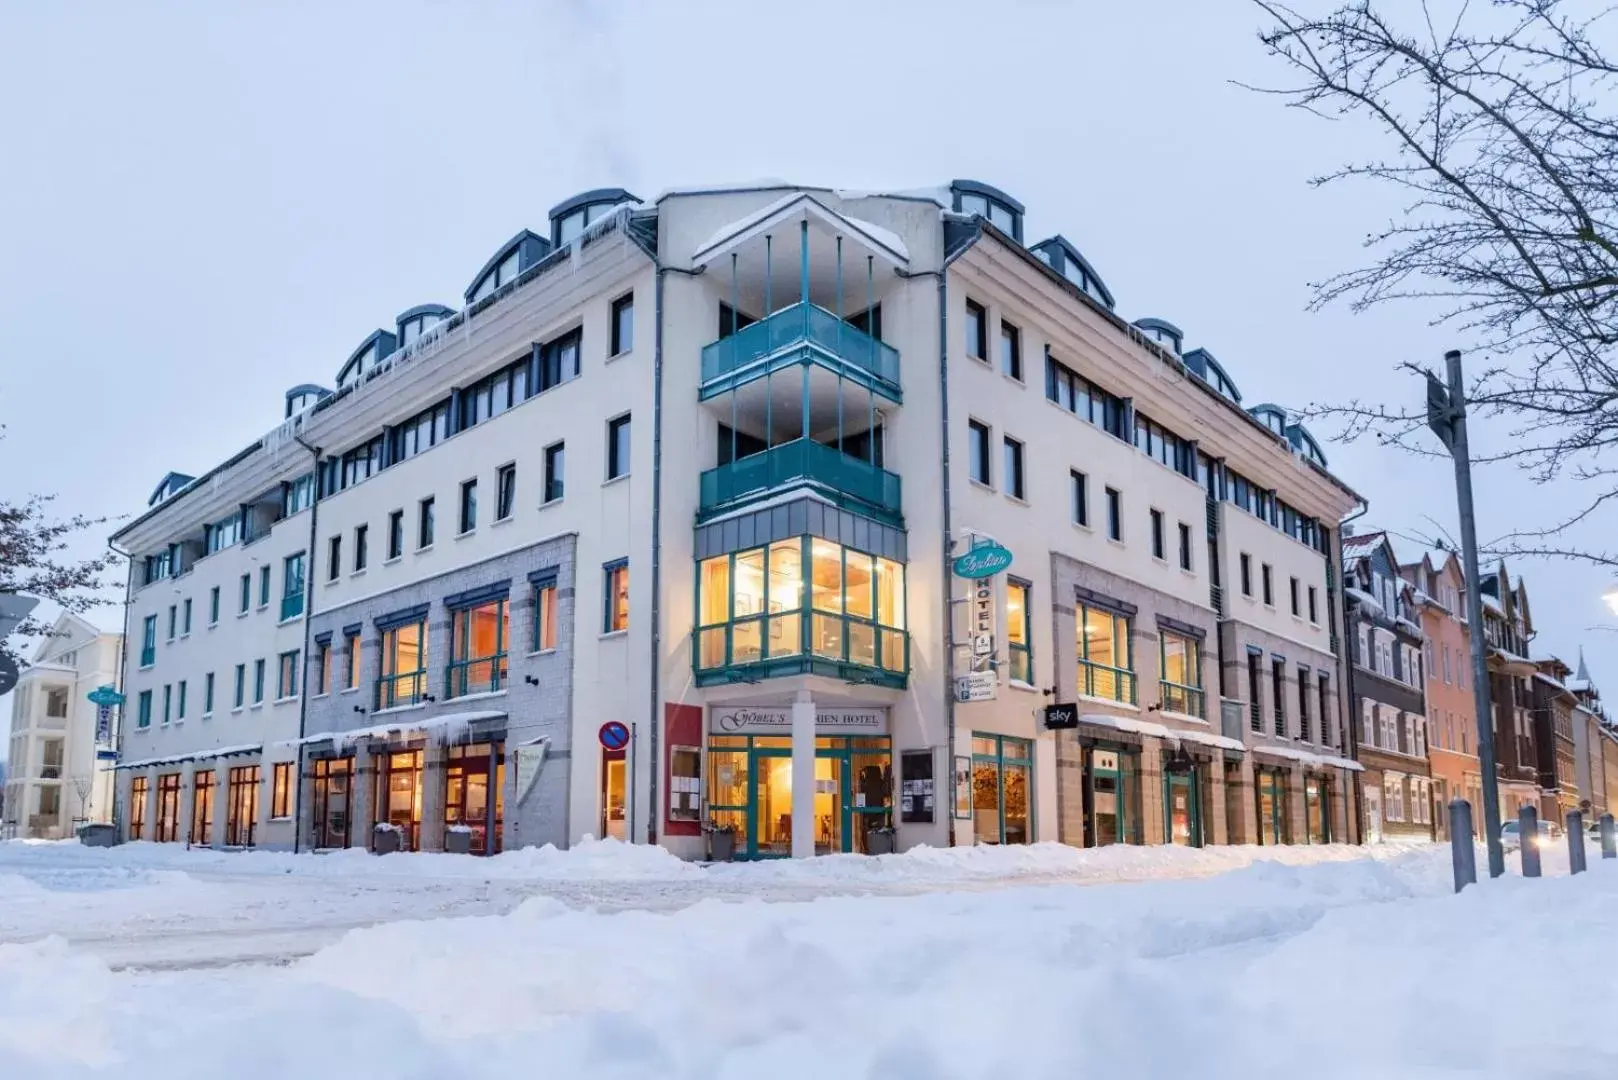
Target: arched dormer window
{"type": "Point", "coordinates": [1305, 444]}
{"type": "Point", "coordinates": [302, 397]}
{"type": "Point", "coordinates": [571, 217]}
{"type": "Point", "coordinates": [1060, 255]}
{"type": "Point", "coordinates": [372, 351]}
{"type": "Point", "coordinates": [989, 203]}
{"type": "Point", "coordinates": [1204, 366]}
{"type": "Point", "coordinates": [515, 255]}
{"type": "Point", "coordinates": [1272, 417]}
{"type": "Point", "coordinates": [412, 323]}
{"type": "Point", "coordinates": [1163, 332]}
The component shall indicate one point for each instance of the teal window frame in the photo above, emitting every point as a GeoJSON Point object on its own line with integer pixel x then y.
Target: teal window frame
{"type": "Point", "coordinates": [148, 641]}
{"type": "Point", "coordinates": [390, 680]}
{"type": "Point", "coordinates": [179, 701]}
{"type": "Point", "coordinates": [240, 696]}
{"type": "Point", "coordinates": [247, 593]}
{"type": "Point", "coordinates": [1129, 784]}
{"type": "Point", "coordinates": [258, 681]}
{"type": "Point", "coordinates": [292, 587]}
{"type": "Point", "coordinates": [168, 700]}
{"type": "Point", "coordinates": [264, 586]}
{"type": "Point", "coordinates": [462, 676]}
{"type": "Point", "coordinates": [1021, 653]}
{"type": "Point", "coordinates": [1265, 777]}
{"type": "Point", "coordinates": [804, 653]}
{"type": "Point", "coordinates": [185, 617]}
{"type": "Point", "coordinates": [1123, 678]}
{"type": "Point", "coordinates": [207, 694]}
{"type": "Point", "coordinates": [1000, 759]}
{"type": "Point", "coordinates": [143, 709]}
{"type": "Point", "coordinates": [213, 606]}
{"type": "Point", "coordinates": [1188, 699]}
{"type": "Point", "coordinates": [1193, 781]}
{"type": "Point", "coordinates": [174, 612]}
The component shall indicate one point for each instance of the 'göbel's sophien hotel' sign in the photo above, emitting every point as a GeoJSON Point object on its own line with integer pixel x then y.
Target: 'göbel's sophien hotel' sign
{"type": "Point", "coordinates": [778, 721]}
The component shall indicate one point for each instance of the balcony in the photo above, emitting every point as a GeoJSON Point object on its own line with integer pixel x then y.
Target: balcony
{"type": "Point", "coordinates": [800, 334]}
{"type": "Point", "coordinates": [849, 482]}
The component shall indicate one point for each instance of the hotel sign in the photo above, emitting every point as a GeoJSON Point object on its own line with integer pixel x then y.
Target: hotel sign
{"type": "Point", "coordinates": [982, 561]}
{"type": "Point", "coordinates": [772, 720]}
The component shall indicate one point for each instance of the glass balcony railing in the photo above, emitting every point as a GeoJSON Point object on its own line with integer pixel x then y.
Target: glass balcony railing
{"type": "Point", "coordinates": [785, 334]}
{"type": "Point", "coordinates": [855, 484]}
{"type": "Point", "coordinates": [292, 606]}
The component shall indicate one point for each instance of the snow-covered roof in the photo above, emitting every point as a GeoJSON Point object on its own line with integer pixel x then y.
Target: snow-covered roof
{"type": "Point", "coordinates": [1492, 603]}
{"type": "Point", "coordinates": [1544, 678]}
{"type": "Point", "coordinates": [1159, 731]}
{"type": "Point", "coordinates": [198, 755]}
{"type": "Point", "coordinates": [1328, 761]}
{"type": "Point", "coordinates": [885, 240]}
{"type": "Point", "coordinates": [1359, 546]}
{"type": "Point", "coordinates": [448, 726]}
{"type": "Point", "coordinates": [1365, 600]}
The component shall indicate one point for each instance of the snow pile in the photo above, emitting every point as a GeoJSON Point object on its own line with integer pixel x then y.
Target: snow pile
{"type": "Point", "coordinates": [1363, 968]}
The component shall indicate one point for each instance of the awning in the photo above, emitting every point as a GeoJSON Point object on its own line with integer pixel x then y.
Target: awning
{"type": "Point", "coordinates": [199, 755]}
{"type": "Point", "coordinates": [1324, 761]}
{"type": "Point", "coordinates": [445, 728]}
{"type": "Point", "coordinates": [1161, 731]}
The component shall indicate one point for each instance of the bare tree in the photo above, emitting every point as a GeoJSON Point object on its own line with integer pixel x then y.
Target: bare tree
{"type": "Point", "coordinates": [1502, 123]}
{"type": "Point", "coordinates": [33, 559]}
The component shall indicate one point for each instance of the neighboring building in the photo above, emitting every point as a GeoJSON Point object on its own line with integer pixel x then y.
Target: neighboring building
{"type": "Point", "coordinates": [1439, 596]}
{"type": "Point", "coordinates": [787, 411]}
{"type": "Point", "coordinates": [59, 776]}
{"type": "Point", "coordinates": [1555, 745]}
{"type": "Point", "coordinates": [1591, 730]}
{"type": "Point", "coordinates": [1389, 705]}
{"type": "Point", "coordinates": [1508, 628]}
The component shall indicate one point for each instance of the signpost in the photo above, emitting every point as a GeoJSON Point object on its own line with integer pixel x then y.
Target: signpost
{"type": "Point", "coordinates": [975, 686]}
{"type": "Point", "coordinates": [1446, 416]}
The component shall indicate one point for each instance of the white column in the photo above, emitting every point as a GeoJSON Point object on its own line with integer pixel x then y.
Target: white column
{"type": "Point", "coordinates": [803, 776]}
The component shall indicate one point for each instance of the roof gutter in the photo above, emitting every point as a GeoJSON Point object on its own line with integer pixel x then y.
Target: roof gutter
{"type": "Point", "coordinates": [308, 628]}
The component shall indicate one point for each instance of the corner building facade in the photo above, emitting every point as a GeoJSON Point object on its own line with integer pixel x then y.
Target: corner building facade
{"type": "Point", "coordinates": [702, 467]}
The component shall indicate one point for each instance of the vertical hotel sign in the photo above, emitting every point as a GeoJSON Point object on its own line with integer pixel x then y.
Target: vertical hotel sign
{"type": "Point", "coordinates": [980, 565]}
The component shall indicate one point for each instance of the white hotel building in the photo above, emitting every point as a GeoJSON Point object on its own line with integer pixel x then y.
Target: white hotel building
{"type": "Point", "coordinates": [702, 467]}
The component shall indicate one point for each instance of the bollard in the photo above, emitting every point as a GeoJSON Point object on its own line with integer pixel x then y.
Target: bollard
{"type": "Point", "coordinates": [1528, 832]}
{"type": "Point", "coordinates": [1462, 852]}
{"type": "Point", "coordinates": [1609, 838]}
{"type": "Point", "coordinates": [1575, 842]}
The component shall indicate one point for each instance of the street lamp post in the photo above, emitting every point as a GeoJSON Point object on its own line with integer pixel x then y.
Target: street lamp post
{"type": "Point", "coordinates": [1446, 415]}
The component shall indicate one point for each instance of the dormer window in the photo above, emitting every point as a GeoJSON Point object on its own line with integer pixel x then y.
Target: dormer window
{"type": "Point", "coordinates": [503, 274]}
{"type": "Point", "coordinates": [569, 219]}
{"type": "Point", "coordinates": [411, 331]}
{"type": "Point", "coordinates": [990, 204]}
{"type": "Point", "coordinates": [572, 226]}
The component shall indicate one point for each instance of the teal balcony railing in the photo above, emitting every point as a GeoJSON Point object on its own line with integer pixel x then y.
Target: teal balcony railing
{"type": "Point", "coordinates": [851, 483]}
{"type": "Point", "coordinates": [292, 605]}
{"type": "Point", "coordinates": [802, 333]}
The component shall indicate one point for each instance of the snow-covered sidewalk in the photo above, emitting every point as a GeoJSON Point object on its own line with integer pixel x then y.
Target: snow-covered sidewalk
{"type": "Point", "coordinates": [1353, 967]}
{"type": "Point", "coordinates": [161, 905]}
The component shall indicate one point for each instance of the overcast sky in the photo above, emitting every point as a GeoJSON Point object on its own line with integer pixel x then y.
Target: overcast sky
{"type": "Point", "coordinates": [202, 205]}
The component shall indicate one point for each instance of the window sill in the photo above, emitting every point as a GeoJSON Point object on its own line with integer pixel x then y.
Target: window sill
{"type": "Point", "coordinates": [177, 723]}
{"type": "Point", "coordinates": [185, 635]}
{"type": "Point", "coordinates": [614, 633]}
{"type": "Point", "coordinates": [147, 667]}
{"type": "Point", "coordinates": [482, 695]}
{"type": "Point", "coordinates": [349, 690]}
{"type": "Point", "coordinates": [213, 625]}
{"type": "Point", "coordinates": [424, 549]}
{"type": "Point", "coordinates": [394, 559]}
{"type": "Point", "coordinates": [206, 716]}
{"type": "Point", "coordinates": [285, 818]}
{"type": "Point", "coordinates": [263, 607]}
{"type": "Point", "coordinates": [357, 573]}
{"type": "Point", "coordinates": [1116, 541]}
{"type": "Point", "coordinates": [462, 535]}
{"type": "Point", "coordinates": [1018, 380]}
{"type": "Point", "coordinates": [541, 652]}
{"type": "Point", "coordinates": [979, 484]}
{"type": "Point", "coordinates": [290, 619]}
{"type": "Point", "coordinates": [1112, 702]}
{"type": "Point", "coordinates": [1018, 684]}
{"type": "Point", "coordinates": [243, 614]}
{"type": "Point", "coordinates": [236, 710]}
{"type": "Point", "coordinates": [1083, 525]}
{"type": "Point", "coordinates": [416, 707]}
{"type": "Point", "coordinates": [507, 520]}
{"type": "Point", "coordinates": [551, 502]}
{"type": "Point", "coordinates": [284, 700]}
{"type": "Point", "coordinates": [611, 480]}
{"type": "Point", "coordinates": [620, 355]}
{"type": "Point", "coordinates": [255, 705]}
{"type": "Point", "coordinates": [1161, 561]}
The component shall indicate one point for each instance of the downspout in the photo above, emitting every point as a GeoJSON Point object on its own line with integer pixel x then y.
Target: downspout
{"type": "Point", "coordinates": [123, 646]}
{"type": "Point", "coordinates": [1350, 714]}
{"type": "Point", "coordinates": [308, 626]}
{"type": "Point", "coordinates": [947, 546]}
{"type": "Point", "coordinates": [653, 807]}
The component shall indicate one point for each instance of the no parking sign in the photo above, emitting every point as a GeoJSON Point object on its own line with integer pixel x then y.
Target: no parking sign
{"type": "Point", "coordinates": [614, 735]}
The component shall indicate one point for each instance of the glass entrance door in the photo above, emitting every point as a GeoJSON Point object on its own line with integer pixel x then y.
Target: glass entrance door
{"type": "Point", "coordinates": [202, 807]}
{"type": "Point", "coordinates": [1184, 817]}
{"type": "Point", "coordinates": [467, 790]}
{"type": "Point", "coordinates": [613, 796]}
{"type": "Point", "coordinates": [1112, 782]}
{"type": "Point", "coordinates": [333, 777]}
{"type": "Point", "coordinates": [1271, 808]}
{"type": "Point", "coordinates": [751, 792]}
{"type": "Point", "coordinates": [399, 784]}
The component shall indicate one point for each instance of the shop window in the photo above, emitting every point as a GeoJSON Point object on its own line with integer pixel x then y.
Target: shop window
{"type": "Point", "coordinates": [202, 795]}
{"type": "Point", "coordinates": [1112, 797]}
{"type": "Point", "coordinates": [1002, 778]}
{"type": "Point", "coordinates": [137, 808]}
{"type": "Point", "coordinates": [1270, 795]}
{"type": "Point", "coordinates": [281, 790]}
{"type": "Point", "coordinates": [544, 636]}
{"type": "Point", "coordinates": [473, 798]}
{"type": "Point", "coordinates": [1182, 807]}
{"type": "Point", "coordinates": [168, 808]}
{"type": "Point", "coordinates": [332, 795]}
{"type": "Point", "coordinates": [1180, 686]}
{"type": "Point", "coordinates": [241, 818]}
{"type": "Point", "coordinates": [478, 642]}
{"type": "Point", "coordinates": [1317, 810]}
{"type": "Point", "coordinates": [1105, 668]}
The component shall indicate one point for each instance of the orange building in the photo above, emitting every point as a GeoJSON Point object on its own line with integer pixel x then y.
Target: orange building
{"type": "Point", "coordinates": [1452, 729]}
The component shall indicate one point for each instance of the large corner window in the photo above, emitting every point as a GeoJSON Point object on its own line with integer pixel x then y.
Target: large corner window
{"type": "Point", "coordinates": [1105, 670]}
{"type": "Point", "coordinates": [801, 600]}
{"type": "Point", "coordinates": [1180, 685]}
{"type": "Point", "coordinates": [479, 639]}
{"type": "Point", "coordinates": [404, 665]}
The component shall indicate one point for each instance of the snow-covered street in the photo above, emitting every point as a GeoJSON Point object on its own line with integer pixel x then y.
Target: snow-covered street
{"type": "Point", "coordinates": [623, 962]}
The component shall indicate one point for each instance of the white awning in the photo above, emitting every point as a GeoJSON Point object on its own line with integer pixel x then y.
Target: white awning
{"type": "Point", "coordinates": [1325, 761]}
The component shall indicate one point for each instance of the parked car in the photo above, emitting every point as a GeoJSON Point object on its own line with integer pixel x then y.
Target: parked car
{"type": "Point", "coordinates": [1511, 835]}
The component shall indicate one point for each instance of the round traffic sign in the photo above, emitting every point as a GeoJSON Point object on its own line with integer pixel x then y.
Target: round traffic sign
{"type": "Point", "coordinates": [614, 735]}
